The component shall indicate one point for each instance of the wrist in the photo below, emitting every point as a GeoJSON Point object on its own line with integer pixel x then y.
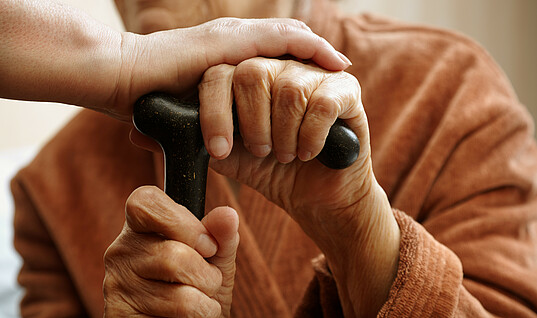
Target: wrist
{"type": "Point", "coordinates": [119, 104]}
{"type": "Point", "coordinates": [69, 57]}
{"type": "Point", "coordinates": [363, 253]}
{"type": "Point", "coordinates": [372, 264]}
{"type": "Point", "coordinates": [103, 68]}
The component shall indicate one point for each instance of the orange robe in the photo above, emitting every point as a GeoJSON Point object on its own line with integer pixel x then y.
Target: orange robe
{"type": "Point", "coordinates": [451, 146]}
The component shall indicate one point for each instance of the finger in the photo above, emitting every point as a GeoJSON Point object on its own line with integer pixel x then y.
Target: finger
{"type": "Point", "coordinates": [355, 117]}
{"type": "Point", "coordinates": [251, 86]}
{"type": "Point", "coordinates": [359, 124]}
{"type": "Point", "coordinates": [160, 299]}
{"type": "Point", "coordinates": [223, 223]}
{"type": "Point", "coordinates": [301, 43]}
{"type": "Point", "coordinates": [175, 262]}
{"type": "Point", "coordinates": [338, 94]}
{"type": "Point", "coordinates": [290, 93]}
{"type": "Point", "coordinates": [216, 117]}
{"type": "Point", "coordinates": [272, 38]}
{"type": "Point", "coordinates": [150, 210]}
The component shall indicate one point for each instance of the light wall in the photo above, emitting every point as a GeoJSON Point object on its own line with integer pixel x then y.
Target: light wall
{"type": "Point", "coordinates": [507, 29]}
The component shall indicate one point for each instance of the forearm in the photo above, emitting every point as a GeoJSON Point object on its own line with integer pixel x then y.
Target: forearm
{"type": "Point", "coordinates": [51, 52]}
{"type": "Point", "coordinates": [362, 253]}
{"type": "Point", "coordinates": [366, 278]}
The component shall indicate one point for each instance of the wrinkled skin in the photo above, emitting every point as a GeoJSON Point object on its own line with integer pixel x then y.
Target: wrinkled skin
{"type": "Point", "coordinates": [285, 110]}
{"type": "Point", "coordinates": [334, 207]}
{"type": "Point", "coordinates": [289, 109]}
{"type": "Point", "coordinates": [156, 266]}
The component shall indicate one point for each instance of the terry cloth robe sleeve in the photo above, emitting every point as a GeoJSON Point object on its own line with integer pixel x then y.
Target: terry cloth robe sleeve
{"type": "Point", "coordinates": [48, 286]}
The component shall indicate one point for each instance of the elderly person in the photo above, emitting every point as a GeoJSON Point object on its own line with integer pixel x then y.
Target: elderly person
{"type": "Point", "coordinates": [436, 218]}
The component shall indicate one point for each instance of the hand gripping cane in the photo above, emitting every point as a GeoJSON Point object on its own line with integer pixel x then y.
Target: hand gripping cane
{"type": "Point", "coordinates": [175, 125]}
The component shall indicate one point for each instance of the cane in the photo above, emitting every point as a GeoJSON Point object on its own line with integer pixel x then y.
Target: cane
{"type": "Point", "coordinates": [175, 125]}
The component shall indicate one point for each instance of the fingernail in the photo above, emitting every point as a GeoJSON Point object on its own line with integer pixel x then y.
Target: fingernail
{"type": "Point", "coordinates": [218, 146]}
{"type": "Point", "coordinates": [285, 157]}
{"type": "Point", "coordinates": [260, 150]}
{"type": "Point", "coordinates": [304, 155]}
{"type": "Point", "coordinates": [206, 245]}
{"type": "Point", "coordinates": [344, 58]}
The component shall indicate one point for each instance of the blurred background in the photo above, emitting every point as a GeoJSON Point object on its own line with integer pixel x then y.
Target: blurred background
{"type": "Point", "coordinates": [507, 29]}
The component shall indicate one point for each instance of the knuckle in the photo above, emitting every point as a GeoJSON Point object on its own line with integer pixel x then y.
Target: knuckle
{"type": "Point", "coordinates": [168, 269]}
{"type": "Point", "coordinates": [291, 95]}
{"type": "Point", "coordinates": [190, 302]}
{"type": "Point", "coordinates": [222, 24]}
{"type": "Point", "coordinates": [350, 82]}
{"type": "Point", "coordinates": [216, 73]}
{"type": "Point", "coordinates": [250, 72]}
{"type": "Point", "coordinates": [172, 256]}
{"type": "Point", "coordinates": [289, 89]}
{"type": "Point", "coordinates": [143, 193]}
{"type": "Point", "coordinates": [232, 22]}
{"type": "Point", "coordinates": [325, 107]}
{"type": "Point", "coordinates": [300, 24]}
{"type": "Point", "coordinates": [136, 202]}
{"type": "Point", "coordinates": [117, 249]}
{"type": "Point", "coordinates": [211, 280]}
{"type": "Point", "coordinates": [345, 90]}
{"type": "Point", "coordinates": [284, 29]}
{"type": "Point", "coordinates": [180, 251]}
{"type": "Point", "coordinates": [351, 78]}
{"type": "Point", "coordinates": [110, 256]}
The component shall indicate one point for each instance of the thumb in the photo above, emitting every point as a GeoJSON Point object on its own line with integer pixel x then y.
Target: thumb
{"type": "Point", "coordinates": [223, 224]}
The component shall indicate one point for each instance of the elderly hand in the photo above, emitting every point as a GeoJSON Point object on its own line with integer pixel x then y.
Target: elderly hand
{"type": "Point", "coordinates": [288, 107]}
{"type": "Point", "coordinates": [166, 263]}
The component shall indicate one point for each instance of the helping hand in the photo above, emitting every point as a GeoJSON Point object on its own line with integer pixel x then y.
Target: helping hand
{"type": "Point", "coordinates": [174, 61]}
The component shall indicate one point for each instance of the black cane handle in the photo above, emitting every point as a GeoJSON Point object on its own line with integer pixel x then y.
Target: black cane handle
{"type": "Point", "coordinates": [175, 125]}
